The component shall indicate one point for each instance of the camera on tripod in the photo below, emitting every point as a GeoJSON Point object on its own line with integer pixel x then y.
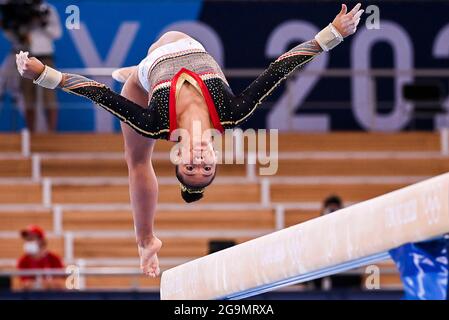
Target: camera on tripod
{"type": "Point", "coordinates": [19, 16]}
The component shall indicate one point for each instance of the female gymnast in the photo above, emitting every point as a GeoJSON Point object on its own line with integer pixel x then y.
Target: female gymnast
{"type": "Point", "coordinates": [179, 85]}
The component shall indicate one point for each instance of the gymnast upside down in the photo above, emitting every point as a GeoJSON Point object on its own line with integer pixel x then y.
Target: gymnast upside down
{"type": "Point", "coordinates": [176, 85]}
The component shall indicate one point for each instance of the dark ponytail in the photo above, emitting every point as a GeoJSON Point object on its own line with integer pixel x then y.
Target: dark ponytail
{"type": "Point", "coordinates": [191, 195]}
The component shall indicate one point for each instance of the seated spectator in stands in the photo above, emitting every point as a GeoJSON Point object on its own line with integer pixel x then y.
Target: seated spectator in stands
{"type": "Point", "coordinates": [36, 256]}
{"type": "Point", "coordinates": [342, 281]}
{"type": "Point", "coordinates": [331, 204]}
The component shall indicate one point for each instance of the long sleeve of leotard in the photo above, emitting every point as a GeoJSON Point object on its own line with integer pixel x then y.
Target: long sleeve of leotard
{"type": "Point", "coordinates": [245, 103]}
{"type": "Point", "coordinates": [135, 116]}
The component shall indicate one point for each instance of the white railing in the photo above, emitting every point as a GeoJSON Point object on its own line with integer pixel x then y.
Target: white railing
{"type": "Point", "coordinates": [254, 72]}
{"type": "Point", "coordinates": [118, 271]}
{"type": "Point", "coordinates": [81, 271]}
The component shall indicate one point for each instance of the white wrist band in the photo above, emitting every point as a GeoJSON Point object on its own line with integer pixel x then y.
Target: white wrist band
{"type": "Point", "coordinates": [49, 78]}
{"type": "Point", "coordinates": [328, 38]}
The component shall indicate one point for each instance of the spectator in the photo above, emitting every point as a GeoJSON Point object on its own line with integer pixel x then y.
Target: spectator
{"type": "Point", "coordinates": [36, 256]}
{"type": "Point", "coordinates": [10, 82]}
{"type": "Point", "coordinates": [342, 281]}
{"type": "Point", "coordinates": [331, 204]}
{"type": "Point", "coordinates": [43, 31]}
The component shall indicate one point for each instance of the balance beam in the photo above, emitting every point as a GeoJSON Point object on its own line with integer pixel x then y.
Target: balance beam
{"type": "Point", "coordinates": [351, 237]}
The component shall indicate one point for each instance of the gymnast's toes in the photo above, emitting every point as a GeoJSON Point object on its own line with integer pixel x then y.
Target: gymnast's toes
{"type": "Point", "coordinates": [122, 74]}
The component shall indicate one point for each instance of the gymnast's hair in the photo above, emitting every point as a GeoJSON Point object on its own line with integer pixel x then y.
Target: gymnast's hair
{"type": "Point", "coordinates": [192, 193]}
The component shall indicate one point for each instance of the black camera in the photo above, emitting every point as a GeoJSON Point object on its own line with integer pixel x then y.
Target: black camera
{"type": "Point", "coordinates": [18, 16]}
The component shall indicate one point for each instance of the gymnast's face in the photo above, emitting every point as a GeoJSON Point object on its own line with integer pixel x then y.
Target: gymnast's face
{"type": "Point", "coordinates": [198, 163]}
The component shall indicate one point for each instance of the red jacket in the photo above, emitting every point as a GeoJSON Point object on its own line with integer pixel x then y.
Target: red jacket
{"type": "Point", "coordinates": [48, 261]}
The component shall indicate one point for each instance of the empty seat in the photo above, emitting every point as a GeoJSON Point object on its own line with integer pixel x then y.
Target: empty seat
{"type": "Point", "coordinates": [76, 142]}
{"type": "Point", "coordinates": [122, 282]}
{"type": "Point", "coordinates": [116, 168]}
{"type": "Point", "coordinates": [17, 220]}
{"type": "Point", "coordinates": [79, 193]}
{"type": "Point", "coordinates": [10, 142]}
{"type": "Point", "coordinates": [363, 167]}
{"type": "Point", "coordinates": [19, 193]}
{"type": "Point", "coordinates": [87, 142]}
{"type": "Point", "coordinates": [15, 168]}
{"type": "Point", "coordinates": [171, 220]}
{"type": "Point", "coordinates": [288, 141]}
{"type": "Point", "coordinates": [359, 141]}
{"type": "Point", "coordinates": [351, 192]}
{"type": "Point", "coordinates": [84, 168]}
{"type": "Point", "coordinates": [295, 216]}
{"type": "Point", "coordinates": [11, 248]}
{"type": "Point", "coordinates": [125, 247]}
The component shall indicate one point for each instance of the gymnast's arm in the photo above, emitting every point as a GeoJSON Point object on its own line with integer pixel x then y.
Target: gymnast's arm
{"type": "Point", "coordinates": [137, 117]}
{"type": "Point", "coordinates": [342, 26]}
{"type": "Point", "coordinates": [245, 103]}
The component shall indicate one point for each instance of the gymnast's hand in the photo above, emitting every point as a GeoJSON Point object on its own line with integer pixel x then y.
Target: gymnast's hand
{"type": "Point", "coordinates": [346, 22]}
{"type": "Point", "coordinates": [149, 263]}
{"type": "Point", "coordinates": [29, 68]}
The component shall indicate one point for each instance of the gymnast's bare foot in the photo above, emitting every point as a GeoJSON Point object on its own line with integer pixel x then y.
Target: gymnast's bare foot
{"type": "Point", "coordinates": [122, 74]}
{"type": "Point", "coordinates": [149, 263]}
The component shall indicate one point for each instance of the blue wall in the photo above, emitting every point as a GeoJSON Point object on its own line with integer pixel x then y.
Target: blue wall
{"type": "Point", "coordinates": [102, 20]}
{"type": "Point", "coordinates": [244, 31]}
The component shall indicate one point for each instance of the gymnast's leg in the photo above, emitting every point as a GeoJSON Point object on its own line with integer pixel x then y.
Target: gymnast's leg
{"type": "Point", "coordinates": [122, 74]}
{"type": "Point", "coordinates": [143, 187]}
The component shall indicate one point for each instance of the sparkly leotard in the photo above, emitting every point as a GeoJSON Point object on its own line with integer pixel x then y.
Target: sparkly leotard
{"type": "Point", "coordinates": [226, 110]}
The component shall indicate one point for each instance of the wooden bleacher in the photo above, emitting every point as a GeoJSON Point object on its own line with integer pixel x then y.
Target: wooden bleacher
{"type": "Point", "coordinates": [288, 142]}
{"type": "Point", "coordinates": [111, 167]}
{"type": "Point", "coordinates": [80, 193]}
{"type": "Point", "coordinates": [14, 220]}
{"type": "Point", "coordinates": [351, 192]}
{"type": "Point", "coordinates": [295, 216]}
{"type": "Point", "coordinates": [79, 220]}
{"type": "Point", "coordinates": [10, 143]}
{"type": "Point", "coordinates": [112, 282]}
{"type": "Point", "coordinates": [76, 143]}
{"type": "Point", "coordinates": [88, 156]}
{"type": "Point", "coordinates": [85, 193]}
{"type": "Point", "coordinates": [11, 247]}
{"type": "Point", "coordinates": [363, 167]}
{"type": "Point", "coordinates": [286, 167]}
{"type": "Point", "coordinates": [122, 282]}
{"type": "Point", "coordinates": [20, 193]}
{"type": "Point", "coordinates": [360, 142]}
{"type": "Point", "coordinates": [125, 247]}
{"type": "Point", "coordinates": [15, 168]}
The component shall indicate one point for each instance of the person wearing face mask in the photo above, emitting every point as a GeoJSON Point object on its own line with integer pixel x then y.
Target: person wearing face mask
{"type": "Point", "coordinates": [36, 256]}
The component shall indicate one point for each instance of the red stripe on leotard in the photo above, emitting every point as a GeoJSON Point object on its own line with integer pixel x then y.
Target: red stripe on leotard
{"type": "Point", "coordinates": [207, 97]}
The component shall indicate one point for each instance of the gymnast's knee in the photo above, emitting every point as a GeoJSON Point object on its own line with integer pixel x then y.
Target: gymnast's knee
{"type": "Point", "coordinates": [168, 37]}
{"type": "Point", "coordinates": [173, 36]}
{"type": "Point", "coordinates": [136, 160]}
